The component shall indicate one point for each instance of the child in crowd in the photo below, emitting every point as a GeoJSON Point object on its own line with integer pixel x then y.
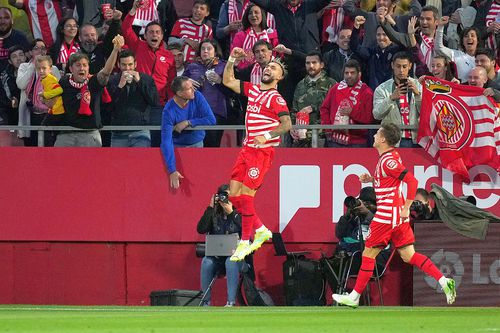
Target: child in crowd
{"type": "Point", "coordinates": [50, 84]}
{"type": "Point", "coordinates": [191, 31]}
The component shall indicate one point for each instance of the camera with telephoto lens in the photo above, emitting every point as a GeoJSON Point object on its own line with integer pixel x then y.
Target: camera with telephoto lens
{"type": "Point", "coordinates": [351, 202]}
{"type": "Point", "coordinates": [419, 211]}
{"type": "Point", "coordinates": [221, 197]}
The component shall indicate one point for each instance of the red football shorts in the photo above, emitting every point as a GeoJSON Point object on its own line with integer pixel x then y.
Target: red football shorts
{"type": "Point", "coordinates": [251, 166]}
{"type": "Point", "coordinates": [380, 234]}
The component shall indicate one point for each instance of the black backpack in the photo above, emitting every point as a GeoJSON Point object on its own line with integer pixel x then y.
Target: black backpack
{"type": "Point", "coordinates": [249, 294]}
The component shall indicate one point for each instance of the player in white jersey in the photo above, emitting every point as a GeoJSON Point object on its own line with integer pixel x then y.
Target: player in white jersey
{"type": "Point", "coordinates": [266, 119]}
{"type": "Point", "coordinates": [391, 221]}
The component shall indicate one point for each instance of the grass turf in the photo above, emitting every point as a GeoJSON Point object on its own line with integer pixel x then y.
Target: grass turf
{"type": "Point", "coordinates": [69, 319]}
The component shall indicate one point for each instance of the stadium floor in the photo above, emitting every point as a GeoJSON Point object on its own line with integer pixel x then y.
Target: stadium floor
{"type": "Point", "coordinates": [69, 319]}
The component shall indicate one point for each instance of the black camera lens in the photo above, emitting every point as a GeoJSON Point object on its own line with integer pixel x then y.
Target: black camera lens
{"type": "Point", "coordinates": [351, 202]}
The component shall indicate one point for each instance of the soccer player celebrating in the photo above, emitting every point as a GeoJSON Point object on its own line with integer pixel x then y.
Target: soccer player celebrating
{"type": "Point", "coordinates": [391, 221]}
{"type": "Point", "coordinates": [267, 117]}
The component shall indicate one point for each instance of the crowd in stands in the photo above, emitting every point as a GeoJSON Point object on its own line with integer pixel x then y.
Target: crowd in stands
{"type": "Point", "coordinates": [349, 62]}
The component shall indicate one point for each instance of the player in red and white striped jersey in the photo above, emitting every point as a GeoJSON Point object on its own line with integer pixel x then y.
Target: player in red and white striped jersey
{"type": "Point", "coordinates": [267, 118]}
{"type": "Point", "coordinates": [191, 31]}
{"type": "Point", "coordinates": [391, 221]}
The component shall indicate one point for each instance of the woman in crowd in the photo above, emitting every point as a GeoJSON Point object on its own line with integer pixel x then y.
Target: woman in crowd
{"type": "Point", "coordinates": [66, 42]}
{"type": "Point", "coordinates": [254, 29]}
{"type": "Point", "coordinates": [465, 58]}
{"type": "Point", "coordinates": [206, 74]}
{"type": "Point", "coordinates": [32, 110]}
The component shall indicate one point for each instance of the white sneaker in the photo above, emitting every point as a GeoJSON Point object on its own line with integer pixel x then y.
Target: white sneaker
{"type": "Point", "coordinates": [345, 300]}
{"type": "Point", "coordinates": [229, 305]}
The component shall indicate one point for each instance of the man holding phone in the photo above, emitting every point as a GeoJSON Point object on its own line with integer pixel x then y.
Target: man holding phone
{"type": "Point", "coordinates": [398, 100]}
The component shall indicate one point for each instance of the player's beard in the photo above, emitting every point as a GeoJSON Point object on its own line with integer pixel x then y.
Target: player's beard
{"type": "Point", "coordinates": [266, 79]}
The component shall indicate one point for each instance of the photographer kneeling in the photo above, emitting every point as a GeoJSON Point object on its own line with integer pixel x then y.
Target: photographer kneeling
{"type": "Point", "coordinates": [220, 218]}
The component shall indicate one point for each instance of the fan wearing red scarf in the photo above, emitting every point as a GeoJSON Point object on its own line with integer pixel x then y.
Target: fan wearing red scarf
{"type": "Point", "coordinates": [82, 97]}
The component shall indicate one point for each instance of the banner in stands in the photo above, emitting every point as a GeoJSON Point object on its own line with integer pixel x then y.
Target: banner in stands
{"type": "Point", "coordinates": [87, 194]}
{"type": "Point", "coordinates": [474, 264]}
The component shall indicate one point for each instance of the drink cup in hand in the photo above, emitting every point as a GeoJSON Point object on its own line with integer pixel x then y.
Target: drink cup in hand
{"type": "Point", "coordinates": [107, 13]}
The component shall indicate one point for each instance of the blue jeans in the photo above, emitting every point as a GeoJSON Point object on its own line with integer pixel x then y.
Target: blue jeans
{"type": "Point", "coordinates": [210, 266]}
{"type": "Point", "coordinates": [131, 139]}
{"type": "Point", "coordinates": [407, 143]}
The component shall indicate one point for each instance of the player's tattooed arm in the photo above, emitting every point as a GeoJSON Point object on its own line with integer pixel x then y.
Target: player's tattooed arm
{"type": "Point", "coordinates": [228, 78]}
{"type": "Point", "coordinates": [284, 126]}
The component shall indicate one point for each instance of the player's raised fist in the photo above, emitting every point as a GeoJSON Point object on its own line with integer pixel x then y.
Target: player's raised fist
{"type": "Point", "coordinates": [238, 53]}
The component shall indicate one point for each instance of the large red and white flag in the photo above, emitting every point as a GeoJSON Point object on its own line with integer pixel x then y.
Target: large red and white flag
{"type": "Point", "coordinates": [459, 126]}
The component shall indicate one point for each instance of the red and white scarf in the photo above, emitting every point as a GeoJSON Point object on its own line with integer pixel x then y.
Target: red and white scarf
{"type": "Point", "coordinates": [348, 97]}
{"type": "Point", "coordinates": [426, 49]}
{"type": "Point", "coordinates": [294, 8]}
{"type": "Point", "coordinates": [33, 91]}
{"type": "Point", "coordinates": [251, 38]}
{"type": "Point", "coordinates": [493, 13]}
{"type": "Point", "coordinates": [85, 97]}
{"type": "Point", "coordinates": [67, 50]}
{"type": "Point", "coordinates": [256, 74]}
{"type": "Point", "coordinates": [148, 12]}
{"type": "Point", "coordinates": [404, 109]}
{"type": "Point", "coordinates": [335, 19]}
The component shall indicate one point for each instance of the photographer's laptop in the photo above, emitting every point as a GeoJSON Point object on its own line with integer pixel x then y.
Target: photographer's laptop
{"type": "Point", "coordinates": [280, 249]}
{"type": "Point", "coordinates": [221, 245]}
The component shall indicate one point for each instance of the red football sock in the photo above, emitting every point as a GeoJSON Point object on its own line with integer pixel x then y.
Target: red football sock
{"type": "Point", "coordinates": [248, 216]}
{"type": "Point", "coordinates": [426, 265]}
{"type": "Point", "coordinates": [236, 202]}
{"type": "Point", "coordinates": [365, 273]}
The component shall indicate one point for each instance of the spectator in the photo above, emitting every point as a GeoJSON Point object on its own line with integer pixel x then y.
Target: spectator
{"type": "Point", "coordinates": [187, 108]}
{"type": "Point", "coordinates": [66, 43]}
{"type": "Point", "coordinates": [464, 59]}
{"type": "Point", "coordinates": [191, 31]}
{"type": "Point", "coordinates": [82, 96]}
{"type": "Point", "coordinates": [134, 94]}
{"type": "Point", "coordinates": [207, 78]}
{"type": "Point", "coordinates": [43, 15]}
{"type": "Point", "coordinates": [442, 68]}
{"type": "Point", "coordinates": [378, 58]}
{"type": "Point", "coordinates": [90, 12]}
{"type": "Point", "coordinates": [176, 50]}
{"type": "Point", "coordinates": [428, 22]}
{"type": "Point", "coordinates": [9, 37]}
{"type": "Point", "coordinates": [400, 22]}
{"type": "Point", "coordinates": [486, 21]}
{"type": "Point", "coordinates": [220, 218]}
{"type": "Point", "coordinates": [421, 209]}
{"type": "Point", "coordinates": [32, 111]}
{"type": "Point", "coordinates": [333, 18]}
{"type": "Point", "coordinates": [461, 17]}
{"type": "Point", "coordinates": [479, 78]}
{"type": "Point", "coordinates": [254, 29]}
{"type": "Point", "coordinates": [97, 51]}
{"type": "Point", "coordinates": [154, 59]}
{"type": "Point", "coordinates": [10, 93]}
{"type": "Point", "coordinates": [309, 95]}
{"type": "Point", "coordinates": [51, 88]}
{"type": "Point", "coordinates": [398, 100]}
{"type": "Point", "coordinates": [263, 53]}
{"type": "Point", "coordinates": [348, 102]}
{"type": "Point", "coordinates": [336, 58]}
{"type": "Point", "coordinates": [485, 58]}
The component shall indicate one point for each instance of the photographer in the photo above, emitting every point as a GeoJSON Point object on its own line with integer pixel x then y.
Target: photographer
{"type": "Point", "coordinates": [421, 209]}
{"type": "Point", "coordinates": [220, 218]}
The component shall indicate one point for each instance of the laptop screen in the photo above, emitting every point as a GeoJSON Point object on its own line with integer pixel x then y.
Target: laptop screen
{"type": "Point", "coordinates": [221, 245]}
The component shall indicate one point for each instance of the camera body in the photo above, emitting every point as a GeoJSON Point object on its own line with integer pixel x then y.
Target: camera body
{"type": "Point", "coordinates": [221, 196]}
{"type": "Point", "coordinates": [351, 202]}
{"type": "Point", "coordinates": [419, 211]}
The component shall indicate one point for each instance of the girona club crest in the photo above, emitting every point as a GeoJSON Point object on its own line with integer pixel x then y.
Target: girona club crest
{"type": "Point", "coordinates": [86, 97]}
{"type": "Point", "coordinates": [450, 119]}
{"type": "Point", "coordinates": [253, 173]}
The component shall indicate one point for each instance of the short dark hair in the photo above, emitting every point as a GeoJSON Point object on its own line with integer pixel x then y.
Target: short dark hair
{"type": "Point", "coordinates": [15, 48]}
{"type": "Point", "coordinates": [260, 43]}
{"type": "Point", "coordinates": [315, 53]}
{"type": "Point", "coordinates": [245, 22]}
{"type": "Point", "coordinates": [392, 133]}
{"type": "Point", "coordinates": [35, 41]}
{"type": "Point", "coordinates": [7, 9]}
{"type": "Point", "coordinates": [402, 55]}
{"type": "Point", "coordinates": [353, 63]}
{"type": "Point", "coordinates": [177, 83]}
{"type": "Point", "coordinates": [487, 52]}
{"type": "Point", "coordinates": [77, 56]}
{"type": "Point", "coordinates": [423, 192]}
{"type": "Point", "coordinates": [151, 24]}
{"type": "Point", "coordinates": [464, 32]}
{"type": "Point", "coordinates": [125, 53]}
{"type": "Point", "coordinates": [202, 2]}
{"type": "Point", "coordinates": [429, 8]}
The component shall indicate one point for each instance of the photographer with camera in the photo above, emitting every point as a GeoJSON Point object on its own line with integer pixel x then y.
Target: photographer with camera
{"type": "Point", "coordinates": [421, 209]}
{"type": "Point", "coordinates": [220, 218]}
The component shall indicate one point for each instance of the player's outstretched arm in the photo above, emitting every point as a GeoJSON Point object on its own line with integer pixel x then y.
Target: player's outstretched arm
{"type": "Point", "coordinates": [284, 126]}
{"type": "Point", "coordinates": [228, 78]}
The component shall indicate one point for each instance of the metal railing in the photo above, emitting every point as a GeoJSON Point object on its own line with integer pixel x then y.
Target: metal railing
{"type": "Point", "coordinates": [314, 129]}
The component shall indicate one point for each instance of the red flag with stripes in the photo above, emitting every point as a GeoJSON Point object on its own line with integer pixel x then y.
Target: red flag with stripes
{"type": "Point", "coordinates": [459, 126]}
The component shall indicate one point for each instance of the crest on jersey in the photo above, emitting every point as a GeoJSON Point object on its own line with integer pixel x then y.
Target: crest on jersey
{"type": "Point", "coordinates": [280, 100]}
{"type": "Point", "coordinates": [392, 164]}
{"type": "Point", "coordinates": [253, 173]}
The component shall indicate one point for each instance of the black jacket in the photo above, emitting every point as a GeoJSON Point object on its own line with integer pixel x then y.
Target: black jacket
{"type": "Point", "coordinates": [132, 104]}
{"type": "Point", "coordinates": [297, 31]}
{"type": "Point", "coordinates": [216, 223]}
